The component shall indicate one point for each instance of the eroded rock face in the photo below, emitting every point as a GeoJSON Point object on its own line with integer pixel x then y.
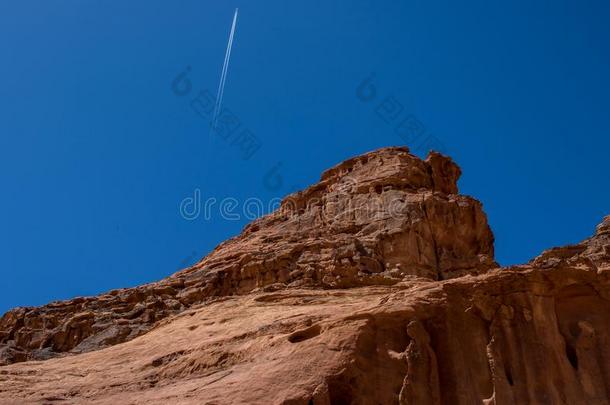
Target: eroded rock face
{"type": "Point", "coordinates": [371, 220]}
{"type": "Point", "coordinates": [423, 315]}
{"type": "Point", "coordinates": [521, 335]}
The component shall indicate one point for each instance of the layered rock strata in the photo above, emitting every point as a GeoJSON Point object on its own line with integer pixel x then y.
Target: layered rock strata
{"type": "Point", "coordinates": [375, 286]}
{"type": "Point", "coordinates": [371, 220]}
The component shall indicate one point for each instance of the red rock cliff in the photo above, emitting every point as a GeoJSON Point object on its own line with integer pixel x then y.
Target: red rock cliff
{"type": "Point", "coordinates": [373, 219]}
{"type": "Point", "coordinates": [376, 285]}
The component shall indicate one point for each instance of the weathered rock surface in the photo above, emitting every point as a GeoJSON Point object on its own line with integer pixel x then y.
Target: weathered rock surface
{"type": "Point", "coordinates": [375, 286]}
{"type": "Point", "coordinates": [370, 220]}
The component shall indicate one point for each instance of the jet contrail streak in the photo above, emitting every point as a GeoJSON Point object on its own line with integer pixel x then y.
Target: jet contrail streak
{"type": "Point", "coordinates": [228, 55]}
{"type": "Point", "coordinates": [225, 66]}
{"type": "Point", "coordinates": [223, 75]}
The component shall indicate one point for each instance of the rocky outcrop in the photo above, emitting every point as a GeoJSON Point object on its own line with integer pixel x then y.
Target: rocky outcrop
{"type": "Point", "coordinates": [371, 220]}
{"type": "Point", "coordinates": [292, 311]}
{"type": "Point", "coordinates": [525, 334]}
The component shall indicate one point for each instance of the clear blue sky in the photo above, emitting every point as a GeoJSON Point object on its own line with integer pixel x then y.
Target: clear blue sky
{"type": "Point", "coordinates": [97, 151]}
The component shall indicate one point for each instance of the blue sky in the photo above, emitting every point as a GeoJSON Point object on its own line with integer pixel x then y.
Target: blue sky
{"type": "Point", "coordinates": [97, 152]}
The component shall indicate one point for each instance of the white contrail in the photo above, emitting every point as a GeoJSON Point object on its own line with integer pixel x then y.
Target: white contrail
{"type": "Point", "coordinates": [223, 75]}
{"type": "Point", "coordinates": [225, 66]}
{"type": "Point", "coordinates": [228, 56]}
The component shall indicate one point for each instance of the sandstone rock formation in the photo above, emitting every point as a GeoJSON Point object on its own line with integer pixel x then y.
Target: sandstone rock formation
{"type": "Point", "coordinates": [375, 286]}
{"type": "Point", "coordinates": [370, 220]}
